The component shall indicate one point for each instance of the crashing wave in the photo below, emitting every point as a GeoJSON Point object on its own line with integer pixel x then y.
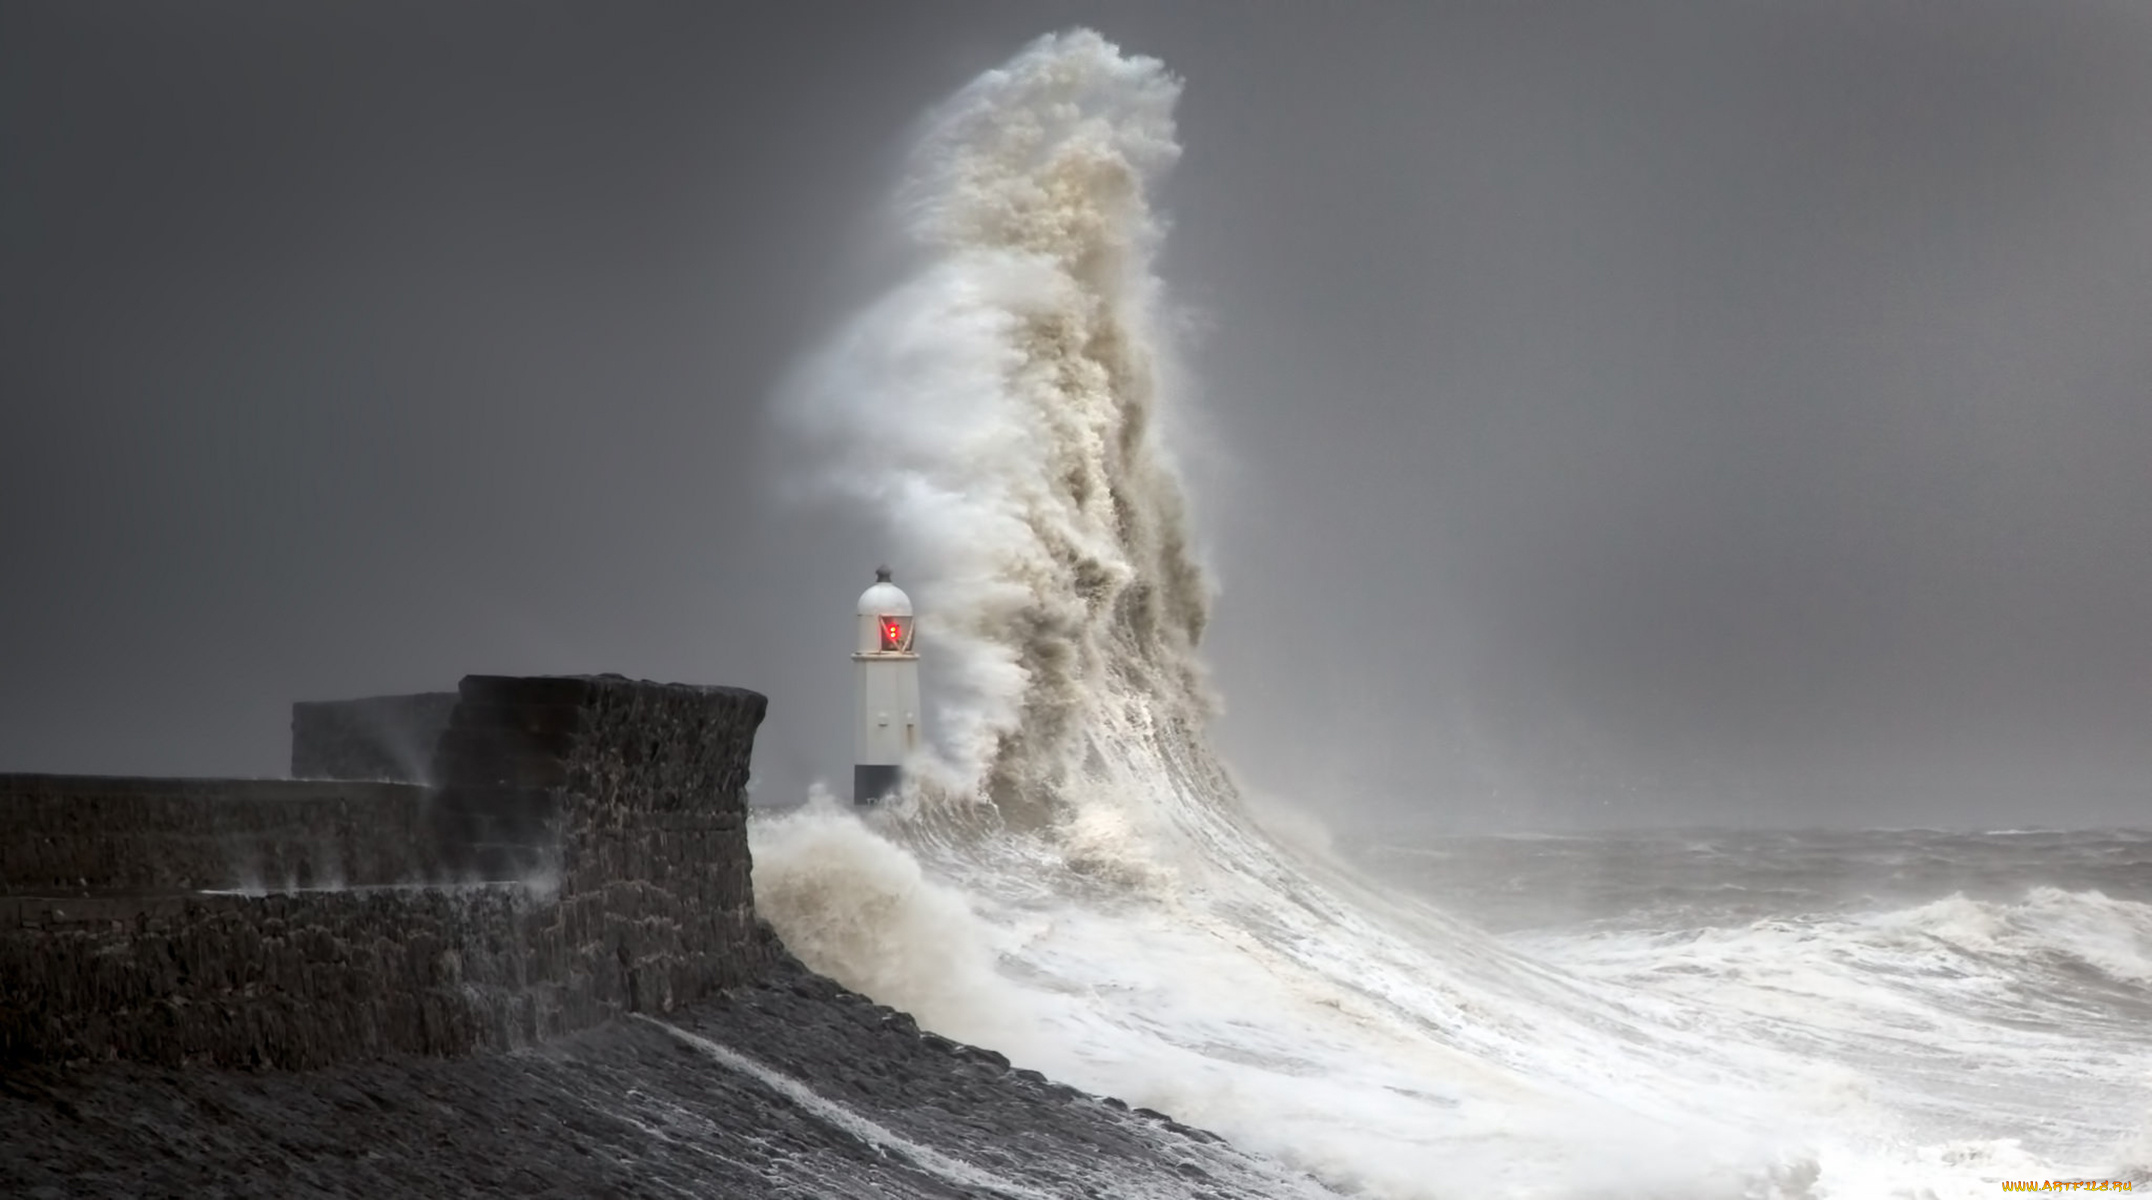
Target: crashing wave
{"type": "Point", "coordinates": [1072, 877]}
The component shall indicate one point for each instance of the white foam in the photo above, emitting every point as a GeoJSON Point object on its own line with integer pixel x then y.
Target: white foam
{"type": "Point", "coordinates": [843, 894]}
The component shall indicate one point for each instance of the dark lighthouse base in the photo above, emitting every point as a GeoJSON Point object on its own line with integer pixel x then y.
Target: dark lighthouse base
{"type": "Point", "coordinates": [876, 783]}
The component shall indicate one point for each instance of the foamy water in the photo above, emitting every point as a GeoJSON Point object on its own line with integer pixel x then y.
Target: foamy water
{"type": "Point", "coordinates": [1072, 878]}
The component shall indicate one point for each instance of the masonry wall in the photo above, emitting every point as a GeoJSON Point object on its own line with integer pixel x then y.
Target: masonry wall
{"type": "Point", "coordinates": [76, 834]}
{"type": "Point", "coordinates": [583, 855]}
{"type": "Point", "coordinates": [656, 903]}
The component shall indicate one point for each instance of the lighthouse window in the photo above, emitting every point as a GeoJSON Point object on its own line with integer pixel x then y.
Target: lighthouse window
{"type": "Point", "coordinates": [896, 634]}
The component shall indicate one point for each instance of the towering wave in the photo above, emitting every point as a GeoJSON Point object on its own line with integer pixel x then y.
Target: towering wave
{"type": "Point", "coordinates": [1071, 878]}
{"type": "Point", "coordinates": [1003, 409]}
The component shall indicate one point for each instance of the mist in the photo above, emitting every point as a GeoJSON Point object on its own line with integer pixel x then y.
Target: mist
{"type": "Point", "coordinates": [1685, 415]}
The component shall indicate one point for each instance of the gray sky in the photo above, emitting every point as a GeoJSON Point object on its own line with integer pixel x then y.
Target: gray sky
{"type": "Point", "coordinates": [1645, 414]}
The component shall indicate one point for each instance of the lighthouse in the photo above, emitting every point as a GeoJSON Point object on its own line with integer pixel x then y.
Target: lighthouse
{"type": "Point", "coordinates": [886, 679]}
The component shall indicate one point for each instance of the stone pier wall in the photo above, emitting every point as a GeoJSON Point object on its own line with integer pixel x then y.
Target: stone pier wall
{"type": "Point", "coordinates": [583, 854]}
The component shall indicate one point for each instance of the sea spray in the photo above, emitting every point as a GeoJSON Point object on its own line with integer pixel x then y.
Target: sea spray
{"type": "Point", "coordinates": [1001, 410]}
{"type": "Point", "coordinates": [842, 893]}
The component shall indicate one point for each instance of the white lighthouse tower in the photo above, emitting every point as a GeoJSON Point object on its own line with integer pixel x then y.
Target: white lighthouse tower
{"type": "Point", "coordinates": [886, 722]}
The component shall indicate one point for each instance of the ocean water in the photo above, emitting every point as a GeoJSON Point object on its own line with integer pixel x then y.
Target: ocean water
{"type": "Point", "coordinates": [1991, 991]}
{"type": "Point", "coordinates": [1073, 878]}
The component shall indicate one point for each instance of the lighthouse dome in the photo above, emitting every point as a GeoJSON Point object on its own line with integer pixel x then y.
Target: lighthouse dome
{"type": "Point", "coordinates": [884, 599]}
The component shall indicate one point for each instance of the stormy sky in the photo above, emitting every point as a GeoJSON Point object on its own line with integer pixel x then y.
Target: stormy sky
{"type": "Point", "coordinates": [1645, 414]}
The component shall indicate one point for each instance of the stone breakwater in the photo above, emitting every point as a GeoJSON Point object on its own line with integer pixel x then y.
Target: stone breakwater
{"type": "Point", "coordinates": [581, 854]}
{"type": "Point", "coordinates": [538, 972]}
{"type": "Point", "coordinates": [787, 1087]}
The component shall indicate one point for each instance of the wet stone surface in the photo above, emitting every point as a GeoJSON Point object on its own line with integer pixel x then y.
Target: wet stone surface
{"type": "Point", "coordinates": [790, 1088]}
